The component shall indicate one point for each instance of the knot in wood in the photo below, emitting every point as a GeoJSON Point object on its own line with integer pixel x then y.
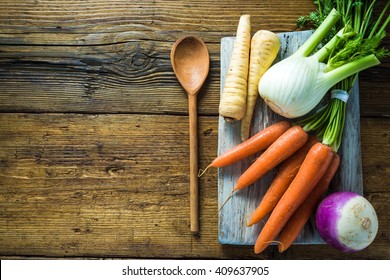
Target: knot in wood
{"type": "Point", "coordinates": [139, 60]}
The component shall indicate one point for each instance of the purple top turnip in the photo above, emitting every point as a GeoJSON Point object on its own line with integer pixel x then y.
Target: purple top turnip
{"type": "Point", "coordinates": [347, 221]}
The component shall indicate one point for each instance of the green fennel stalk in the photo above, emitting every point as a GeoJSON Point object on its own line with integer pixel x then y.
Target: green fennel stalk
{"type": "Point", "coordinates": [328, 123]}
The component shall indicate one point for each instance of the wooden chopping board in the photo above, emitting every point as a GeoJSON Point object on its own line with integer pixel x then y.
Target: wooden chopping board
{"type": "Point", "coordinates": [235, 213]}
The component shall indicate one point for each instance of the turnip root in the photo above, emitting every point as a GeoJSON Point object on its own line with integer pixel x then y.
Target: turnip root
{"type": "Point", "coordinates": [347, 221]}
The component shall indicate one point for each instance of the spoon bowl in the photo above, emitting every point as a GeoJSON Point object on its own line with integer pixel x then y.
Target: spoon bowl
{"type": "Point", "coordinates": [191, 62]}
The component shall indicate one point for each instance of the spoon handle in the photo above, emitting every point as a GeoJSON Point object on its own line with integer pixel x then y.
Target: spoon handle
{"type": "Point", "coordinates": [194, 190]}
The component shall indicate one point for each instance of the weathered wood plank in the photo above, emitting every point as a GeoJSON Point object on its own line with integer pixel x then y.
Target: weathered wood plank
{"type": "Point", "coordinates": [95, 184]}
{"type": "Point", "coordinates": [96, 22]}
{"type": "Point", "coordinates": [375, 136]}
{"type": "Point", "coordinates": [134, 77]}
{"type": "Point", "coordinates": [375, 90]}
{"type": "Point", "coordinates": [90, 56]}
{"type": "Point", "coordinates": [70, 184]}
{"type": "Point", "coordinates": [85, 185]}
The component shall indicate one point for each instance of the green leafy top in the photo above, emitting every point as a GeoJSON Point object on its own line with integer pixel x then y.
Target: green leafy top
{"type": "Point", "coordinates": [361, 35]}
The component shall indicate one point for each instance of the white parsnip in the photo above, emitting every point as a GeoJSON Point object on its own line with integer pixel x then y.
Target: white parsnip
{"type": "Point", "coordinates": [233, 98]}
{"type": "Point", "coordinates": [264, 48]}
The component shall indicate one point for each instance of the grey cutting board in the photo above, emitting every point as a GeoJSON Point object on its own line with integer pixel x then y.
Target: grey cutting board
{"type": "Point", "coordinates": [233, 216]}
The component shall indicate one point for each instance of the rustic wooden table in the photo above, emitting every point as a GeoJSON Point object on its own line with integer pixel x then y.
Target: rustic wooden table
{"type": "Point", "coordinates": [94, 130]}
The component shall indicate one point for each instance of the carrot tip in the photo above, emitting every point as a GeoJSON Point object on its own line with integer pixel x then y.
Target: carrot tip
{"type": "Point", "coordinates": [248, 223]}
{"type": "Point", "coordinates": [259, 250]}
{"type": "Point", "coordinates": [255, 221]}
{"type": "Point", "coordinates": [201, 171]}
{"type": "Point", "coordinates": [281, 247]}
{"type": "Point", "coordinates": [223, 204]}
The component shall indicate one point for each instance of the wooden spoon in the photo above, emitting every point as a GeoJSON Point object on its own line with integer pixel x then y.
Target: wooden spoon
{"type": "Point", "coordinates": [191, 62]}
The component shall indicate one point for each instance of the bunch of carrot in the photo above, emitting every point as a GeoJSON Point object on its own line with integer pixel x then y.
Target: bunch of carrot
{"type": "Point", "coordinates": [306, 168]}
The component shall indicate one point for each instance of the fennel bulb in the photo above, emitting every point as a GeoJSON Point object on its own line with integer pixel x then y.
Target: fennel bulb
{"type": "Point", "coordinates": [295, 85]}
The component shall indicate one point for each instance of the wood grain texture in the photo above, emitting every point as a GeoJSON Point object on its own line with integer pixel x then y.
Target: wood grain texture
{"type": "Point", "coordinates": [99, 57]}
{"type": "Point", "coordinates": [77, 177]}
{"type": "Point", "coordinates": [91, 186]}
{"type": "Point", "coordinates": [90, 56]}
{"type": "Point", "coordinates": [94, 130]}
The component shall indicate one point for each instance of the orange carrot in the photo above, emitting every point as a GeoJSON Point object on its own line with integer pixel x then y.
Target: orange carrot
{"type": "Point", "coordinates": [286, 145]}
{"type": "Point", "coordinates": [282, 180]}
{"type": "Point", "coordinates": [309, 174]}
{"type": "Point", "coordinates": [256, 143]}
{"type": "Point", "coordinates": [300, 217]}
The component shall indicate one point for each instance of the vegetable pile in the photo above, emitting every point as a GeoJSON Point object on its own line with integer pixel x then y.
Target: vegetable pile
{"type": "Point", "coordinates": [305, 151]}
